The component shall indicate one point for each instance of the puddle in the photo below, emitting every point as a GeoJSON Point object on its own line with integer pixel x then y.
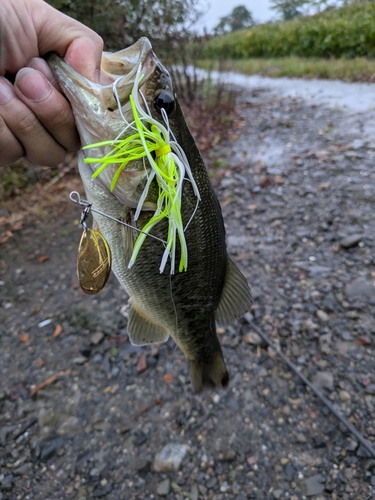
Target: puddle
{"type": "Point", "coordinates": [352, 97]}
{"type": "Point", "coordinates": [356, 101]}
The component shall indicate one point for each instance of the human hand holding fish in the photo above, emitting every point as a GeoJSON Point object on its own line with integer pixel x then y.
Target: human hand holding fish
{"type": "Point", "coordinates": [36, 120]}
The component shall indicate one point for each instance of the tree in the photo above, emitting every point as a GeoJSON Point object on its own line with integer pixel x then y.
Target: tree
{"type": "Point", "coordinates": [289, 9]}
{"type": "Point", "coordinates": [121, 22]}
{"type": "Point", "coordinates": [239, 19]}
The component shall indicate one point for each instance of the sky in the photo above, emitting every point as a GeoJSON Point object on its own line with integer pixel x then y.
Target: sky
{"type": "Point", "coordinates": [260, 9]}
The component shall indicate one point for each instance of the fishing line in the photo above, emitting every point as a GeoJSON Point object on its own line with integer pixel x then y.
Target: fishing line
{"type": "Point", "coordinates": [316, 391]}
{"type": "Point", "coordinates": [75, 197]}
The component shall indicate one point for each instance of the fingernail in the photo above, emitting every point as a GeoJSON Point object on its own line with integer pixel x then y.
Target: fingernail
{"type": "Point", "coordinates": [6, 91]}
{"type": "Point", "coordinates": [32, 84]}
{"type": "Point", "coordinates": [41, 66]}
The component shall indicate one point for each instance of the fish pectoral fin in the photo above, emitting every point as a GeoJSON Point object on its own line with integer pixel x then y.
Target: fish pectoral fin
{"type": "Point", "coordinates": [142, 330]}
{"type": "Point", "coordinates": [236, 296]}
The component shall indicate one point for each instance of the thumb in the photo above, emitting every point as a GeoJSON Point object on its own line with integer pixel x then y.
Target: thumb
{"type": "Point", "coordinates": [79, 45]}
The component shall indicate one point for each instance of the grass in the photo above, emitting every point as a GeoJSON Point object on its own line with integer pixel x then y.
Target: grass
{"type": "Point", "coordinates": [358, 69]}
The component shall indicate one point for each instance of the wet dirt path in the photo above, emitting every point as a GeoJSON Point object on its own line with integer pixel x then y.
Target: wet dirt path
{"type": "Point", "coordinates": [297, 189]}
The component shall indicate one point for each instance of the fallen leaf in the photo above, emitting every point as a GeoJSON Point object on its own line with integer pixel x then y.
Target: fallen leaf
{"type": "Point", "coordinates": [142, 363]}
{"type": "Point", "coordinates": [25, 337]}
{"type": "Point", "coordinates": [57, 331]}
{"type": "Point", "coordinates": [364, 340]}
{"type": "Point", "coordinates": [111, 389]}
{"type": "Point", "coordinates": [265, 181]}
{"type": "Point", "coordinates": [43, 258]}
{"type": "Point", "coordinates": [168, 378]}
{"type": "Point", "coordinates": [50, 380]}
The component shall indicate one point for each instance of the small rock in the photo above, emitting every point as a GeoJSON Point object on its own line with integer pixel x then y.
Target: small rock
{"type": "Point", "coordinates": [22, 470]}
{"type": "Point", "coordinates": [51, 445]}
{"type": "Point", "coordinates": [142, 464]}
{"type": "Point", "coordinates": [170, 457]}
{"type": "Point", "coordinates": [252, 338]}
{"type": "Point", "coordinates": [229, 455]}
{"type": "Point", "coordinates": [211, 482]}
{"type": "Point", "coordinates": [351, 445]}
{"type": "Point", "coordinates": [323, 380]}
{"type": "Point", "coordinates": [6, 483]}
{"type": "Point", "coordinates": [277, 494]}
{"type": "Point", "coordinates": [224, 487]}
{"type": "Point", "coordinates": [361, 288]}
{"type": "Point", "coordinates": [163, 488]}
{"type": "Point", "coordinates": [216, 398]}
{"type": "Point", "coordinates": [194, 493]}
{"type": "Point", "coordinates": [139, 437]}
{"type": "Point", "coordinates": [344, 395]}
{"type": "Point", "coordinates": [319, 270]}
{"type": "Point", "coordinates": [314, 485]}
{"type": "Point", "coordinates": [323, 316]}
{"type": "Point", "coordinates": [289, 472]}
{"type": "Point", "coordinates": [79, 360]}
{"type": "Point", "coordinates": [351, 241]}
{"type": "Point", "coordinates": [96, 338]}
{"type": "Point", "coordinates": [300, 438]}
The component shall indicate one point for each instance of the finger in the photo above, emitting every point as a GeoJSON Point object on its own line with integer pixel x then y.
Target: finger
{"type": "Point", "coordinates": [49, 106]}
{"type": "Point", "coordinates": [38, 145]}
{"type": "Point", "coordinates": [40, 65]}
{"type": "Point", "coordinates": [11, 149]}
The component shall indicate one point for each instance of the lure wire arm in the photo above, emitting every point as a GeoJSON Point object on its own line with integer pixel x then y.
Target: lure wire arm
{"type": "Point", "coordinates": [75, 197]}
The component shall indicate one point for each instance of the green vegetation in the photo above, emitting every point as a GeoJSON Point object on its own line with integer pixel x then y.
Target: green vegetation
{"type": "Point", "coordinates": [358, 69]}
{"type": "Point", "coordinates": [345, 32]}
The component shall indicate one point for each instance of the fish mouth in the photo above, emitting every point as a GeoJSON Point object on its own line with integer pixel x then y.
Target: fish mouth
{"type": "Point", "coordinates": [101, 99]}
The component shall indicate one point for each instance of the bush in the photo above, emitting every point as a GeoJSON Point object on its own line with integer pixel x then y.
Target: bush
{"type": "Point", "coordinates": [345, 32]}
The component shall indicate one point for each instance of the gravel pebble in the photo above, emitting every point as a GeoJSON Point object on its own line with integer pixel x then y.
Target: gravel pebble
{"type": "Point", "coordinates": [170, 458]}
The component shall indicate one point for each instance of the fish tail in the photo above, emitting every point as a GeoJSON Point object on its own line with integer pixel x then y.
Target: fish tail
{"type": "Point", "coordinates": [209, 373]}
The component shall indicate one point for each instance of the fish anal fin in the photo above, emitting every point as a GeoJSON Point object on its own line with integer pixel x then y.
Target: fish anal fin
{"type": "Point", "coordinates": [142, 330]}
{"type": "Point", "coordinates": [236, 296]}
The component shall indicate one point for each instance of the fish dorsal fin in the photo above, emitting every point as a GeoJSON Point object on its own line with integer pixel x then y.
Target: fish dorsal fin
{"type": "Point", "coordinates": [142, 330]}
{"type": "Point", "coordinates": [236, 296]}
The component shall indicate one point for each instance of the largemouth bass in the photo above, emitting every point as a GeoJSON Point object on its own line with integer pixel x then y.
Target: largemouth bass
{"type": "Point", "coordinates": [183, 303]}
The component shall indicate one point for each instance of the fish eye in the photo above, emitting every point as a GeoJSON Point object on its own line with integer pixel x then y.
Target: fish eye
{"type": "Point", "coordinates": [164, 100]}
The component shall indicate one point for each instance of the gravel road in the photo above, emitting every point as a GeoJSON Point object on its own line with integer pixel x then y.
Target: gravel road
{"type": "Point", "coordinates": [297, 186]}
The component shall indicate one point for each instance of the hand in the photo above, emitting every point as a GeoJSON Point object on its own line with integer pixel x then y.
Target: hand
{"type": "Point", "coordinates": [36, 120]}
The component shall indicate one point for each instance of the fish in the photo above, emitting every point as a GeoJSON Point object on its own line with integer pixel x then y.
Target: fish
{"type": "Point", "coordinates": [183, 303]}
